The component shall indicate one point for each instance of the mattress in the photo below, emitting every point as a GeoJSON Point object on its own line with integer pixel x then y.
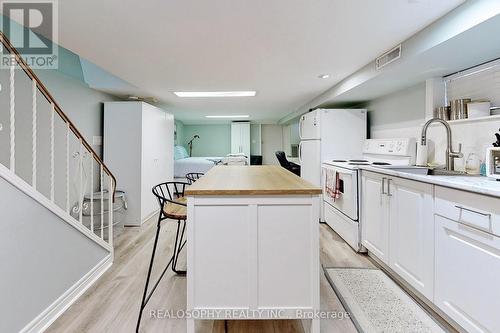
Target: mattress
{"type": "Point", "coordinates": [193, 164]}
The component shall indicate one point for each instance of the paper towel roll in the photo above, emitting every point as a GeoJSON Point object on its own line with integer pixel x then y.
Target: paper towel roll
{"type": "Point", "coordinates": [421, 155]}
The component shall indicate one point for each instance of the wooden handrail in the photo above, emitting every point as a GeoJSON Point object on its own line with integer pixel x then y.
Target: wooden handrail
{"type": "Point", "coordinates": [45, 92]}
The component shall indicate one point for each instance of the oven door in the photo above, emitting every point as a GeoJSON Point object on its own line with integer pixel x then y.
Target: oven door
{"type": "Point", "coordinates": [347, 201]}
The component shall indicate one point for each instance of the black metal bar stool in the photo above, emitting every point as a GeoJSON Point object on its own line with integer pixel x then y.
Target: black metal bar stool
{"type": "Point", "coordinates": [173, 205]}
{"type": "Point", "coordinates": [193, 176]}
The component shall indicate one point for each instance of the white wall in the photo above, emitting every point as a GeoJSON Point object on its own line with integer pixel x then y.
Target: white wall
{"type": "Point", "coordinates": [397, 115]}
{"type": "Point", "coordinates": [41, 257]}
{"type": "Point", "coordinates": [272, 140]}
{"type": "Point", "coordinates": [290, 137]}
{"type": "Point", "coordinates": [402, 114]}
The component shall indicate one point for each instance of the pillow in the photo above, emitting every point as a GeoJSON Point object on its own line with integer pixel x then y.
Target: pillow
{"type": "Point", "coordinates": [180, 152]}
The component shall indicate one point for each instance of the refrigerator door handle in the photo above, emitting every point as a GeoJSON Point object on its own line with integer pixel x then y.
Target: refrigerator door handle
{"type": "Point", "coordinates": [300, 151]}
{"type": "Point", "coordinates": [300, 128]}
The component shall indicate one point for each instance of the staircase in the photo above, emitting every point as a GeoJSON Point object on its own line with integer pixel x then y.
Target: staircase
{"type": "Point", "coordinates": [45, 161]}
{"type": "Point", "coordinates": [74, 168]}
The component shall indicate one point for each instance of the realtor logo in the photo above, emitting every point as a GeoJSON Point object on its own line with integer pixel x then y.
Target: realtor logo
{"type": "Point", "coordinates": [31, 27]}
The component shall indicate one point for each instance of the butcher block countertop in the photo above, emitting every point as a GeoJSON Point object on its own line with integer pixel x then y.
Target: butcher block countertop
{"type": "Point", "coordinates": [250, 180]}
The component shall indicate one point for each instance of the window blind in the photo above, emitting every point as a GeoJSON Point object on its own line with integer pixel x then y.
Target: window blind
{"type": "Point", "coordinates": [478, 83]}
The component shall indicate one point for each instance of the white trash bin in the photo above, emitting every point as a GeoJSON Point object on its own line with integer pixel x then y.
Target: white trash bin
{"type": "Point", "coordinates": [119, 208]}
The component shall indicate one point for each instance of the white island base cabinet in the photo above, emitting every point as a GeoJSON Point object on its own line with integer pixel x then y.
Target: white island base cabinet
{"type": "Point", "coordinates": [253, 257]}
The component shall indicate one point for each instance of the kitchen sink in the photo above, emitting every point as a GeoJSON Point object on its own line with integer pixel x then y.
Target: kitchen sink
{"type": "Point", "coordinates": [427, 171]}
{"type": "Point", "coordinates": [444, 172]}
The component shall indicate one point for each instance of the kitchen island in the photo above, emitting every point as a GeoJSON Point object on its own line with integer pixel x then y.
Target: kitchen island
{"type": "Point", "coordinates": [252, 246]}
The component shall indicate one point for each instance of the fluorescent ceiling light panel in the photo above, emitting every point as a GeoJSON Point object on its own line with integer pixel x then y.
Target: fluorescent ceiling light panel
{"type": "Point", "coordinates": [215, 93]}
{"type": "Point", "coordinates": [235, 116]}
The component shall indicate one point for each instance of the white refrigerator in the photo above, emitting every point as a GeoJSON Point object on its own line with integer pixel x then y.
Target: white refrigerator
{"type": "Point", "coordinates": [327, 134]}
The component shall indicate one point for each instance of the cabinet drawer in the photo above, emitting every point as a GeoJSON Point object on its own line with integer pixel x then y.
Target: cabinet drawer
{"type": "Point", "coordinates": [467, 267]}
{"type": "Point", "coordinates": [474, 210]}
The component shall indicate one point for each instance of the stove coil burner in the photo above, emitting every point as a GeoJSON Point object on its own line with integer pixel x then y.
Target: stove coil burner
{"type": "Point", "coordinates": [381, 163]}
{"type": "Point", "coordinates": [358, 161]}
{"type": "Point", "coordinates": [342, 161]}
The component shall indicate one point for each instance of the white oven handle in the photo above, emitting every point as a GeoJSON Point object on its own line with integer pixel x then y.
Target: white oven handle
{"type": "Point", "coordinates": [340, 170]}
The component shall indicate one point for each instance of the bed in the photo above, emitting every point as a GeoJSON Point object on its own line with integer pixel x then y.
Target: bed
{"type": "Point", "coordinates": [184, 164]}
{"type": "Point", "coordinates": [193, 164]}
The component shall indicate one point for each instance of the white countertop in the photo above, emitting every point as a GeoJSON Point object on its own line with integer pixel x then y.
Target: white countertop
{"type": "Point", "coordinates": [476, 184]}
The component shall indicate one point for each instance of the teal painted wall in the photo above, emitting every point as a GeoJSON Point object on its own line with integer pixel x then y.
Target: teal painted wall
{"type": "Point", "coordinates": [179, 138]}
{"type": "Point", "coordinates": [215, 140]}
{"type": "Point", "coordinates": [294, 133]}
{"type": "Point", "coordinates": [255, 139]}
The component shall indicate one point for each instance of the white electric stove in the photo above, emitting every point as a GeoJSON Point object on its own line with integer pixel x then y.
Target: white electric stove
{"type": "Point", "coordinates": [341, 183]}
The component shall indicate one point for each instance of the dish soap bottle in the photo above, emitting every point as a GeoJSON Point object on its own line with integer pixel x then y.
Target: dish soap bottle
{"type": "Point", "coordinates": [473, 165]}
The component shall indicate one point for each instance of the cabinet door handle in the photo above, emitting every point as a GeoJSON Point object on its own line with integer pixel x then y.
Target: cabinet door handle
{"type": "Point", "coordinates": [383, 185]}
{"type": "Point", "coordinates": [389, 194]}
{"type": "Point", "coordinates": [488, 230]}
{"type": "Point", "coordinates": [473, 211]}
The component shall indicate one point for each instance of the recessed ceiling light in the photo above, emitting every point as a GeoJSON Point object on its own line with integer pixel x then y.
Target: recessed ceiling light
{"type": "Point", "coordinates": [324, 76]}
{"type": "Point", "coordinates": [215, 93]}
{"type": "Point", "coordinates": [235, 116]}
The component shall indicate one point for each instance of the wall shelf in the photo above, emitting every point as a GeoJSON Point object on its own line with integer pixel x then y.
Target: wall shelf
{"type": "Point", "coordinates": [474, 120]}
{"type": "Point", "coordinates": [470, 120]}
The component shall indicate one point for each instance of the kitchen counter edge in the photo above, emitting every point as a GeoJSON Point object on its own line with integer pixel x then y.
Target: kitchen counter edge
{"type": "Point", "coordinates": [475, 184]}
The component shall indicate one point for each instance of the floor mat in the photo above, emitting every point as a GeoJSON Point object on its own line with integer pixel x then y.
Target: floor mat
{"type": "Point", "coordinates": [378, 304]}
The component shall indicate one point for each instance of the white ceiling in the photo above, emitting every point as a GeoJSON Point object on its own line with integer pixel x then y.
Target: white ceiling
{"type": "Point", "coordinates": [277, 47]}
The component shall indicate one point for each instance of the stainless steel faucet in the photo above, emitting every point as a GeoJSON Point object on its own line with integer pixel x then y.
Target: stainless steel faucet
{"type": "Point", "coordinates": [450, 154]}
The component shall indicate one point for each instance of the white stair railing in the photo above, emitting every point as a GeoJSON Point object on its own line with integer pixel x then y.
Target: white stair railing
{"type": "Point", "coordinates": [81, 207]}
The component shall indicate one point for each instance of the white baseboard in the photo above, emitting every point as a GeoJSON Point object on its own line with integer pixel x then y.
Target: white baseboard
{"type": "Point", "coordinates": [149, 216]}
{"type": "Point", "coordinates": [50, 314]}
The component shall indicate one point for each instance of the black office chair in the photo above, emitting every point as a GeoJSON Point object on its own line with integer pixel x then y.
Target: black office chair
{"type": "Point", "coordinates": [173, 205]}
{"type": "Point", "coordinates": [193, 176]}
{"type": "Point", "coordinates": [290, 166]}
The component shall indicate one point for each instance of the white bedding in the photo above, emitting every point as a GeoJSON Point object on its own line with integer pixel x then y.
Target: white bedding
{"type": "Point", "coordinates": [193, 164]}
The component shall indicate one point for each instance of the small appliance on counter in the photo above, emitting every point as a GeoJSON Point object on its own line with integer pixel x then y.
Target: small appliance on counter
{"type": "Point", "coordinates": [493, 162]}
{"type": "Point", "coordinates": [493, 159]}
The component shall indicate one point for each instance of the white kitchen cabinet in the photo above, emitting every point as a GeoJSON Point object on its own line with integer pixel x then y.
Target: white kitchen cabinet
{"type": "Point", "coordinates": [240, 138]}
{"type": "Point", "coordinates": [467, 271]}
{"type": "Point", "coordinates": [397, 227]}
{"type": "Point", "coordinates": [443, 242]}
{"type": "Point", "coordinates": [411, 233]}
{"type": "Point", "coordinates": [375, 215]}
{"type": "Point", "coordinates": [467, 260]}
{"type": "Point", "coordinates": [138, 149]}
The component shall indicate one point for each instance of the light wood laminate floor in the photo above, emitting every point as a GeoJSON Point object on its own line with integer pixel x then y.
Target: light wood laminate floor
{"type": "Point", "coordinates": [112, 303]}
